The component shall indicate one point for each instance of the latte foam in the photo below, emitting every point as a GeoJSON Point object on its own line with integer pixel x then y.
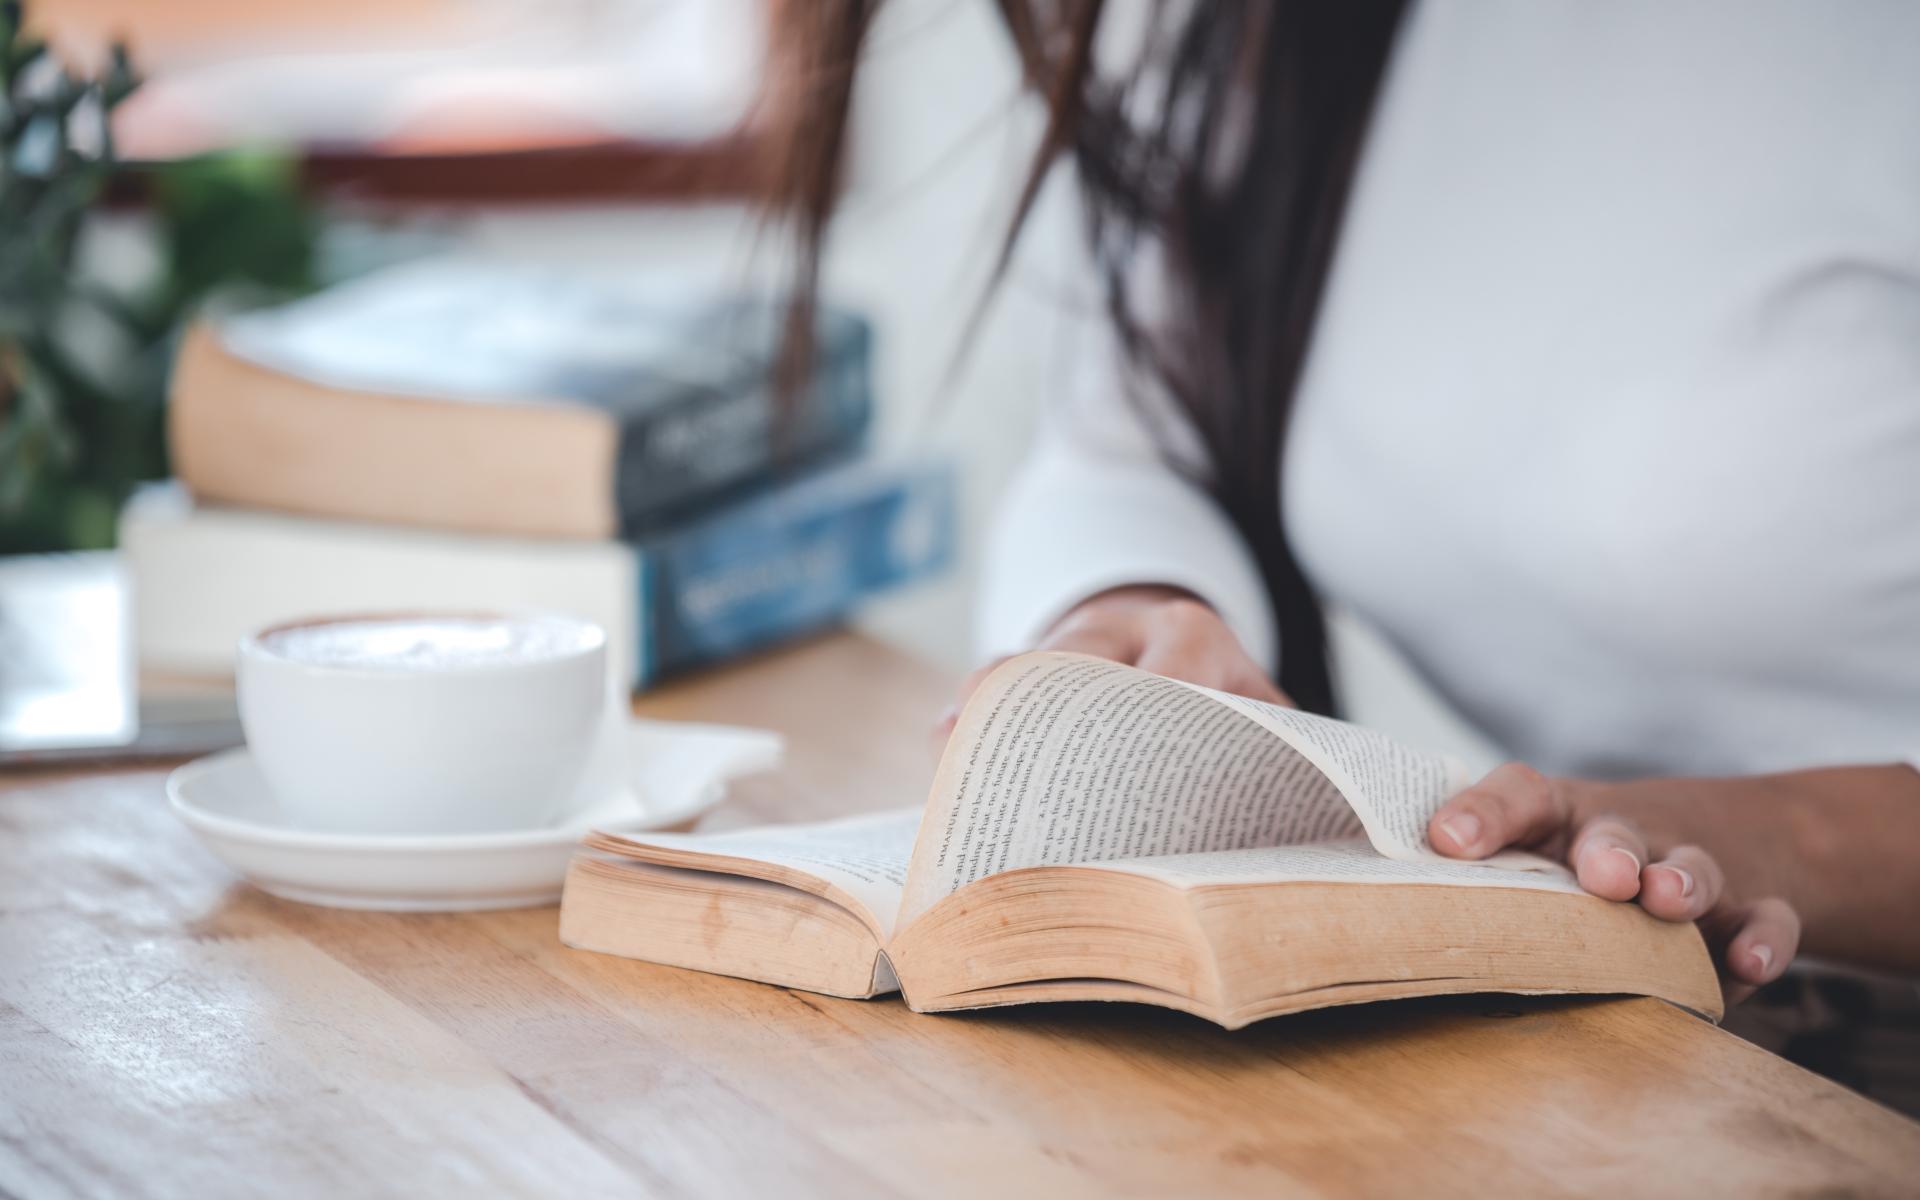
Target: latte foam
{"type": "Point", "coordinates": [432, 643]}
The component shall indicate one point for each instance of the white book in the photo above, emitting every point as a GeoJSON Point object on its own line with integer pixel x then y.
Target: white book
{"type": "Point", "coordinates": [791, 557]}
{"type": "Point", "coordinates": [203, 576]}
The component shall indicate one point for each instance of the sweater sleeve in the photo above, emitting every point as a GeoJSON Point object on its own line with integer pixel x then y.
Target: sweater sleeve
{"type": "Point", "coordinates": [1097, 506]}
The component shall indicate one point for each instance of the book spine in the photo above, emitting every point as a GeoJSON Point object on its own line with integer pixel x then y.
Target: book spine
{"type": "Point", "coordinates": [790, 560]}
{"type": "Point", "coordinates": [708, 439]}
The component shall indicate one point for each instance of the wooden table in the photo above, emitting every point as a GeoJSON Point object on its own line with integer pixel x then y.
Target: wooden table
{"type": "Point", "coordinates": [168, 1030]}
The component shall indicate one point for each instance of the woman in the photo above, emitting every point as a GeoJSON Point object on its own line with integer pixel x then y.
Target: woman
{"type": "Point", "coordinates": [1575, 346]}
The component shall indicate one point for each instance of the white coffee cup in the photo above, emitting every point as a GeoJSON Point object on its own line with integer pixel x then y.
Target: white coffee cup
{"type": "Point", "coordinates": [423, 722]}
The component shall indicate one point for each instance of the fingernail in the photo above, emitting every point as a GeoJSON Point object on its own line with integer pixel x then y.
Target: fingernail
{"type": "Point", "coordinates": [947, 716]}
{"type": "Point", "coordinates": [1764, 956]}
{"type": "Point", "coordinates": [1631, 857]}
{"type": "Point", "coordinates": [1463, 828]}
{"type": "Point", "coordinates": [1686, 881]}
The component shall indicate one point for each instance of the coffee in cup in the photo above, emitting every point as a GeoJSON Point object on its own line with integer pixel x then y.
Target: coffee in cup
{"type": "Point", "coordinates": [423, 722]}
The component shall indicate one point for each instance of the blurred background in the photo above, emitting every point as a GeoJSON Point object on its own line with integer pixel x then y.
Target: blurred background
{"type": "Point", "coordinates": [351, 200]}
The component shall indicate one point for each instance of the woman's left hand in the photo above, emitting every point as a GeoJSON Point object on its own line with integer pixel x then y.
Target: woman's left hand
{"type": "Point", "coordinates": [1641, 858]}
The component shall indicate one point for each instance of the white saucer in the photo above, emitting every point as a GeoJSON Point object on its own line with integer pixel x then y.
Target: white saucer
{"type": "Point", "coordinates": [679, 768]}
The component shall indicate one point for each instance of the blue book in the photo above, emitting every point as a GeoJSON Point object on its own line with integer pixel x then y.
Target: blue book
{"type": "Point", "coordinates": [790, 559]}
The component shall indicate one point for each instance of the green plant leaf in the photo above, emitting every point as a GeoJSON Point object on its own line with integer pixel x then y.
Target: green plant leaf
{"type": "Point", "coordinates": [82, 370]}
{"type": "Point", "coordinates": [91, 513]}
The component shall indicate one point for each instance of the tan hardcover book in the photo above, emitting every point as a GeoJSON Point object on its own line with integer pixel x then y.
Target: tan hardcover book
{"type": "Point", "coordinates": [483, 398]}
{"type": "Point", "coordinates": [247, 434]}
{"type": "Point", "coordinates": [1096, 832]}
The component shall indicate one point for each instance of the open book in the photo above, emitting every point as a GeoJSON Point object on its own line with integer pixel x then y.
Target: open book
{"type": "Point", "coordinates": [1097, 832]}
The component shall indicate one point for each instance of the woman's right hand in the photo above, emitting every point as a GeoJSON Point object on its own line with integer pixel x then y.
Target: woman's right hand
{"type": "Point", "coordinates": [1161, 629]}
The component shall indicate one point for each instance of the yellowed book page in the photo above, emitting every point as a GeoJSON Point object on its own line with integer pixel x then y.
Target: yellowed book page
{"type": "Point", "coordinates": [1393, 788]}
{"type": "Point", "coordinates": [862, 860]}
{"type": "Point", "coordinates": [1349, 860]}
{"type": "Point", "coordinates": [1062, 758]}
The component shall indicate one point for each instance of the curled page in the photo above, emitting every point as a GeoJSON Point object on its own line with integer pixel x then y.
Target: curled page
{"type": "Point", "coordinates": [1394, 789]}
{"type": "Point", "coordinates": [1062, 758]}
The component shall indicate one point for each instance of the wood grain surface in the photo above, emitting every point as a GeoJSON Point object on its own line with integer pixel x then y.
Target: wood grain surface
{"type": "Point", "coordinates": [166, 1030]}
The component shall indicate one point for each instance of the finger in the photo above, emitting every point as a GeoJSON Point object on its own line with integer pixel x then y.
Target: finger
{"type": "Point", "coordinates": [1184, 639]}
{"type": "Point", "coordinates": [1683, 886]}
{"type": "Point", "coordinates": [1513, 805]}
{"type": "Point", "coordinates": [1607, 857]}
{"type": "Point", "coordinates": [1103, 634]}
{"type": "Point", "coordinates": [1252, 682]}
{"type": "Point", "coordinates": [1766, 937]}
{"type": "Point", "coordinates": [944, 723]}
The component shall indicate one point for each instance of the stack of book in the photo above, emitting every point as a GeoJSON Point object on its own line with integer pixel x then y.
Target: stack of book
{"type": "Point", "coordinates": [471, 436]}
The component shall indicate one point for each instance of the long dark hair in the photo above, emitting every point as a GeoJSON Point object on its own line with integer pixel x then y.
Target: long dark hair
{"type": "Point", "coordinates": [1236, 180]}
